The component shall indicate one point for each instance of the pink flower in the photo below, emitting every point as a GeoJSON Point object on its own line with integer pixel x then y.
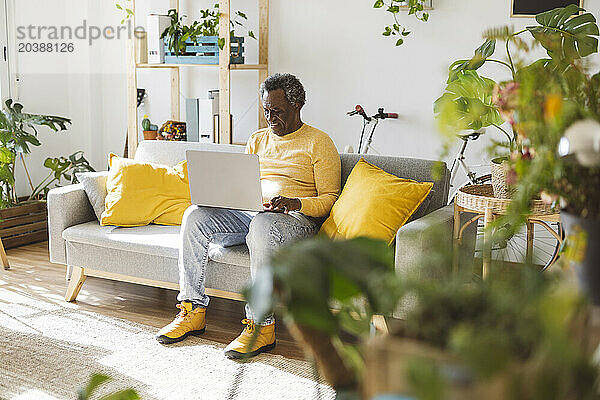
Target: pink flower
{"type": "Point", "coordinates": [511, 177]}
{"type": "Point", "coordinates": [506, 97]}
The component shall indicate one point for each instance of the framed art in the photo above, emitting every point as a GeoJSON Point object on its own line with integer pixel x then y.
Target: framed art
{"type": "Point", "coordinates": [529, 8]}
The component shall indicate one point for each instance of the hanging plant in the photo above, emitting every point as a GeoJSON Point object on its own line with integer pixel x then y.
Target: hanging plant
{"type": "Point", "coordinates": [415, 7]}
{"type": "Point", "coordinates": [126, 7]}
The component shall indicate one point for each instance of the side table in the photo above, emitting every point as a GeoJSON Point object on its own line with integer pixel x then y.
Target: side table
{"type": "Point", "coordinates": [480, 200]}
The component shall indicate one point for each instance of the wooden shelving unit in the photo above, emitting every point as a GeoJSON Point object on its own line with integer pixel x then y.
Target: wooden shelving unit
{"type": "Point", "coordinates": [224, 66]}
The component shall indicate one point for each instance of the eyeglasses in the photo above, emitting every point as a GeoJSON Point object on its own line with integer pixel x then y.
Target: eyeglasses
{"type": "Point", "coordinates": [276, 113]}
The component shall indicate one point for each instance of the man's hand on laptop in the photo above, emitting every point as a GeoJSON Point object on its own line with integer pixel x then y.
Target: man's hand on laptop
{"type": "Point", "coordinates": [283, 204]}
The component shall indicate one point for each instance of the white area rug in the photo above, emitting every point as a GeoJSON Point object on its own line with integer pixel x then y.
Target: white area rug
{"type": "Point", "coordinates": [48, 349]}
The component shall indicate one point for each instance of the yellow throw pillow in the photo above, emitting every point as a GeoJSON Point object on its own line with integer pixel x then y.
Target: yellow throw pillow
{"type": "Point", "coordinates": [139, 193]}
{"type": "Point", "coordinates": [374, 203]}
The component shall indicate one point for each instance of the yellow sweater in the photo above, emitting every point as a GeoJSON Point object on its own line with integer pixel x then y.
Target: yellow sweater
{"type": "Point", "coordinates": [303, 164]}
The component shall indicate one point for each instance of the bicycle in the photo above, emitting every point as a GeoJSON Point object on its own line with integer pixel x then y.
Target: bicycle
{"type": "Point", "coordinates": [514, 249]}
{"type": "Point", "coordinates": [459, 161]}
{"type": "Point", "coordinates": [381, 115]}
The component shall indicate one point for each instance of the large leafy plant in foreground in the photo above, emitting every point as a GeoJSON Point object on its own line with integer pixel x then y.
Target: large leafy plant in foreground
{"type": "Point", "coordinates": [324, 288]}
{"type": "Point", "coordinates": [567, 34]}
{"type": "Point", "coordinates": [519, 328]}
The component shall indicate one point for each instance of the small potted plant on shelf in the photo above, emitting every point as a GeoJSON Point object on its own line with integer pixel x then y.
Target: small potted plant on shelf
{"type": "Point", "coordinates": [199, 43]}
{"type": "Point", "coordinates": [150, 130]}
{"type": "Point", "coordinates": [24, 218]}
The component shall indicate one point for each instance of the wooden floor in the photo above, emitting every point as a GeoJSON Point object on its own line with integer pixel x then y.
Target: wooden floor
{"type": "Point", "coordinates": [141, 304]}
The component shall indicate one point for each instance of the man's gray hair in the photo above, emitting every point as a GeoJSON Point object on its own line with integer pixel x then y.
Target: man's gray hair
{"type": "Point", "coordinates": [291, 86]}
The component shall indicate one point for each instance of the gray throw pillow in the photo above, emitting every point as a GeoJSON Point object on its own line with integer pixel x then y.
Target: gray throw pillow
{"type": "Point", "coordinates": [94, 185]}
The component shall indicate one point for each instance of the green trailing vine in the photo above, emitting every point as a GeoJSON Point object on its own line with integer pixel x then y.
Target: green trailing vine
{"type": "Point", "coordinates": [396, 29]}
{"type": "Point", "coordinates": [125, 7]}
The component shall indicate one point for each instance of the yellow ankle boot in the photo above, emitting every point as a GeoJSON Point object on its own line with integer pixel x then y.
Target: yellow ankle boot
{"type": "Point", "coordinates": [188, 322]}
{"type": "Point", "coordinates": [240, 347]}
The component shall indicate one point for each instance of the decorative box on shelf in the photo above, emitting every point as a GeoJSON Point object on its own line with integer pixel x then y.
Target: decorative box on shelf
{"type": "Point", "coordinates": [205, 51]}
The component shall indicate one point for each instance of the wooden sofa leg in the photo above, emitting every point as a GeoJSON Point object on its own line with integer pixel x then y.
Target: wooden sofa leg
{"type": "Point", "coordinates": [5, 262]}
{"type": "Point", "coordinates": [75, 284]}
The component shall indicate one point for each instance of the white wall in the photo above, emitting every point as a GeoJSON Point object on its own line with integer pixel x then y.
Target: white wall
{"type": "Point", "coordinates": [334, 46]}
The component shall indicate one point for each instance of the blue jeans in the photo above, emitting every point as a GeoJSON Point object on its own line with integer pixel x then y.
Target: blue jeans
{"type": "Point", "coordinates": [263, 233]}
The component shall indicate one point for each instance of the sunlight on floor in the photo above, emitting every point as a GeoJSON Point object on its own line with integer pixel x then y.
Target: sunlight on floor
{"type": "Point", "coordinates": [128, 352]}
{"type": "Point", "coordinates": [34, 394]}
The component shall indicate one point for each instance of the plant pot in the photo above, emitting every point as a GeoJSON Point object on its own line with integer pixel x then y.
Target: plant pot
{"type": "Point", "coordinates": [329, 361]}
{"type": "Point", "coordinates": [389, 358]}
{"type": "Point", "coordinates": [583, 235]}
{"type": "Point", "coordinates": [500, 170]}
{"type": "Point", "coordinates": [24, 224]}
{"type": "Point", "coordinates": [150, 135]}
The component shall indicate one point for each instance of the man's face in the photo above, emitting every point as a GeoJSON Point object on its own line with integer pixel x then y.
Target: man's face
{"type": "Point", "coordinates": [279, 113]}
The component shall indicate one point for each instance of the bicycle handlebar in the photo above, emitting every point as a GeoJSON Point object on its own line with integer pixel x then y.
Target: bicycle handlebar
{"type": "Point", "coordinates": [359, 110]}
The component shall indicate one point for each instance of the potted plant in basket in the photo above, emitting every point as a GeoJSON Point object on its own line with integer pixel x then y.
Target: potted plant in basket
{"type": "Point", "coordinates": [549, 99]}
{"type": "Point", "coordinates": [559, 99]}
{"type": "Point", "coordinates": [17, 133]}
{"type": "Point", "coordinates": [472, 101]}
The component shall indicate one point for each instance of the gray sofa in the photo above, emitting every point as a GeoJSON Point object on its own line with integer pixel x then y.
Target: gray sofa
{"type": "Point", "coordinates": [148, 255]}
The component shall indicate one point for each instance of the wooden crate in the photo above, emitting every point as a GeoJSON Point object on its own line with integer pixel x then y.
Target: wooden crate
{"type": "Point", "coordinates": [24, 224]}
{"type": "Point", "coordinates": [206, 51]}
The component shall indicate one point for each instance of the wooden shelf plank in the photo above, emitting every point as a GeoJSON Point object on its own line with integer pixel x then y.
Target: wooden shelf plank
{"type": "Point", "coordinates": [253, 67]}
{"type": "Point", "coordinates": [249, 66]}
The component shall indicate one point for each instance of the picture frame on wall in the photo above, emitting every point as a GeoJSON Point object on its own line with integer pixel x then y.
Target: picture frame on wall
{"type": "Point", "coordinates": [529, 8]}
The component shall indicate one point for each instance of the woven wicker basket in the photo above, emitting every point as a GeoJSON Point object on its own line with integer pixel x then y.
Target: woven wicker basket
{"type": "Point", "coordinates": [499, 174]}
{"type": "Point", "coordinates": [478, 198]}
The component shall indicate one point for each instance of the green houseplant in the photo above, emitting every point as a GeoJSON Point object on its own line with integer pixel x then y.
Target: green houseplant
{"type": "Point", "coordinates": [396, 30]}
{"type": "Point", "coordinates": [17, 134]}
{"type": "Point", "coordinates": [555, 99]}
{"type": "Point", "coordinates": [519, 334]}
{"type": "Point", "coordinates": [178, 33]}
{"type": "Point", "coordinates": [304, 281]}
{"type": "Point", "coordinates": [472, 101]}
{"type": "Point", "coordinates": [548, 99]}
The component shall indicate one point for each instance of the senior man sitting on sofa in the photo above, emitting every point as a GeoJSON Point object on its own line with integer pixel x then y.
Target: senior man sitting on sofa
{"type": "Point", "coordinates": [300, 180]}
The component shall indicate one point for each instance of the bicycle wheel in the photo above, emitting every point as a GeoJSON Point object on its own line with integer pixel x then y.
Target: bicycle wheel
{"type": "Point", "coordinates": [545, 249]}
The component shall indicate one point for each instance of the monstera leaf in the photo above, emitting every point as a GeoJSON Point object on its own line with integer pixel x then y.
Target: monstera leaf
{"type": "Point", "coordinates": [482, 53]}
{"type": "Point", "coordinates": [566, 38]}
{"type": "Point", "coordinates": [467, 103]}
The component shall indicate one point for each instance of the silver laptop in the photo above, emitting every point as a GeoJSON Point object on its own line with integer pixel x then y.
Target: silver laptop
{"type": "Point", "coordinates": [226, 180]}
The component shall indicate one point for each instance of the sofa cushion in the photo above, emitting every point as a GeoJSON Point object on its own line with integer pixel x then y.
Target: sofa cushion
{"type": "Point", "coordinates": [410, 168]}
{"type": "Point", "coordinates": [94, 185]}
{"type": "Point", "coordinates": [139, 193]}
{"type": "Point", "coordinates": [156, 240]}
{"type": "Point", "coordinates": [170, 153]}
{"type": "Point", "coordinates": [236, 255]}
{"type": "Point", "coordinates": [150, 239]}
{"type": "Point", "coordinates": [226, 277]}
{"type": "Point", "coordinates": [391, 201]}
